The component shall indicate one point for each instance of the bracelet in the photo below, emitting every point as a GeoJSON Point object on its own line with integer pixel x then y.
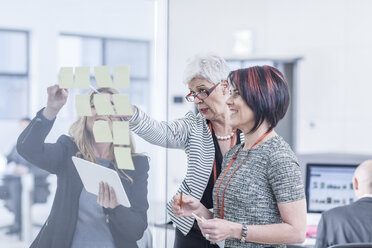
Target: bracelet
{"type": "Point", "coordinates": [244, 233]}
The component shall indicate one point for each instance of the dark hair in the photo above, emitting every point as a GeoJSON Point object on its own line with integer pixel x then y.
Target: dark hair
{"type": "Point", "coordinates": [265, 91]}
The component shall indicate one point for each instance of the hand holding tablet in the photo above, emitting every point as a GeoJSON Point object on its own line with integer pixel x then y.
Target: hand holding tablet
{"type": "Point", "coordinates": [92, 175]}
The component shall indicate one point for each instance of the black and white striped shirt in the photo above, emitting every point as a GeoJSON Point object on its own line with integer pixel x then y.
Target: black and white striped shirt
{"type": "Point", "coordinates": [190, 133]}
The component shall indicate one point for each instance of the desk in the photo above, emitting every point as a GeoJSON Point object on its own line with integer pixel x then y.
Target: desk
{"type": "Point", "coordinates": [309, 242]}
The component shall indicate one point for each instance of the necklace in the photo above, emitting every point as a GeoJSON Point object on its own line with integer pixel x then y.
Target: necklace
{"type": "Point", "coordinates": [227, 137]}
{"type": "Point", "coordinates": [233, 141]}
{"type": "Point", "coordinates": [227, 169]}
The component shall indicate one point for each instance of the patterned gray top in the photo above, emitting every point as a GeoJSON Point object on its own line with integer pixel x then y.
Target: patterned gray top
{"type": "Point", "coordinates": [270, 174]}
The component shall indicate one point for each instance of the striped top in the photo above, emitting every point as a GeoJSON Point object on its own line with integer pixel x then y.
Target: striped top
{"type": "Point", "coordinates": [190, 133]}
{"type": "Point", "coordinates": [269, 174]}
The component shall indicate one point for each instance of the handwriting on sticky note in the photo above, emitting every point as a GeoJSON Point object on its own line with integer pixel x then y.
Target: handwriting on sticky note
{"type": "Point", "coordinates": [121, 76]}
{"type": "Point", "coordinates": [66, 77]}
{"type": "Point", "coordinates": [82, 77]}
{"type": "Point", "coordinates": [102, 103]}
{"type": "Point", "coordinates": [122, 104]}
{"type": "Point", "coordinates": [102, 132]}
{"type": "Point", "coordinates": [82, 105]}
{"type": "Point", "coordinates": [102, 76]}
{"type": "Point", "coordinates": [123, 158]}
{"type": "Point", "coordinates": [120, 132]}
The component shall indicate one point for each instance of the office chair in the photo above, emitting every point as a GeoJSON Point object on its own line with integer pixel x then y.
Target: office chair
{"type": "Point", "coordinates": [40, 195]}
{"type": "Point", "coordinates": [352, 245]}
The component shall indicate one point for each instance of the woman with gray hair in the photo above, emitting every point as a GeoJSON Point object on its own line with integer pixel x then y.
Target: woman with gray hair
{"type": "Point", "coordinates": [205, 137]}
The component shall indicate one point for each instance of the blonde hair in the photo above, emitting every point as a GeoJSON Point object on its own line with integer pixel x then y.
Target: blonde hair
{"type": "Point", "coordinates": [84, 139]}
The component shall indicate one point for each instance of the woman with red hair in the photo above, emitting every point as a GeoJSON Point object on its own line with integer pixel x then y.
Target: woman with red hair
{"type": "Point", "coordinates": [259, 198]}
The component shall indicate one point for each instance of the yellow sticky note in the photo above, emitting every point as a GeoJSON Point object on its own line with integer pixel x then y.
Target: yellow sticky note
{"type": "Point", "coordinates": [102, 75]}
{"type": "Point", "coordinates": [103, 105]}
{"type": "Point", "coordinates": [101, 131]}
{"type": "Point", "coordinates": [122, 76]}
{"type": "Point", "coordinates": [120, 131]}
{"type": "Point", "coordinates": [66, 77]}
{"type": "Point", "coordinates": [123, 158]}
{"type": "Point", "coordinates": [82, 77]}
{"type": "Point", "coordinates": [82, 105]}
{"type": "Point", "coordinates": [122, 104]}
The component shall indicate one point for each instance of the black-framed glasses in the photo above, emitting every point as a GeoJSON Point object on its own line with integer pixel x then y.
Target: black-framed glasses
{"type": "Point", "coordinates": [201, 95]}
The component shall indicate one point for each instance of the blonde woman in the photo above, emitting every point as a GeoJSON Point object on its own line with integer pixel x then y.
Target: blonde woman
{"type": "Point", "coordinates": [78, 218]}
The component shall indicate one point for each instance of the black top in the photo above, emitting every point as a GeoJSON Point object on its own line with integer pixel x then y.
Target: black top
{"type": "Point", "coordinates": [207, 200]}
{"type": "Point", "coordinates": [126, 225]}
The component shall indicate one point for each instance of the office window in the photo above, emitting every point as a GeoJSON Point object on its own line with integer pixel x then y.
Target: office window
{"type": "Point", "coordinates": [81, 50]}
{"type": "Point", "coordinates": [134, 53]}
{"type": "Point", "coordinates": [14, 73]}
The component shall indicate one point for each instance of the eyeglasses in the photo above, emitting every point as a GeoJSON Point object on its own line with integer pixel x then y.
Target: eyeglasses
{"type": "Point", "coordinates": [201, 95]}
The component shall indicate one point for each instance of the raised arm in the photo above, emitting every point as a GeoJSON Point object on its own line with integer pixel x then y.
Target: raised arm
{"type": "Point", "coordinates": [172, 134]}
{"type": "Point", "coordinates": [31, 143]}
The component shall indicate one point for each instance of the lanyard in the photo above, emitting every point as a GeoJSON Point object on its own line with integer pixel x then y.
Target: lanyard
{"type": "Point", "coordinates": [214, 162]}
{"type": "Point", "coordinates": [227, 169]}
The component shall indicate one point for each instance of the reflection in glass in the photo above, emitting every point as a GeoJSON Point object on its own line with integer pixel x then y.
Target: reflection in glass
{"type": "Point", "coordinates": [127, 52]}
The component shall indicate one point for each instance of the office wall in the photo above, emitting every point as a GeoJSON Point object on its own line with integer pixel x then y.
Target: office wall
{"type": "Point", "coordinates": [332, 37]}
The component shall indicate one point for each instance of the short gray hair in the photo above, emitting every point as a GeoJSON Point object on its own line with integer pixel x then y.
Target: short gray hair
{"type": "Point", "coordinates": [206, 66]}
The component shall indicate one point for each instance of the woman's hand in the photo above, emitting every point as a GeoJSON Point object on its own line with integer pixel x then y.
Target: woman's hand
{"type": "Point", "coordinates": [216, 230]}
{"type": "Point", "coordinates": [189, 205]}
{"type": "Point", "coordinates": [106, 196]}
{"type": "Point", "coordinates": [57, 97]}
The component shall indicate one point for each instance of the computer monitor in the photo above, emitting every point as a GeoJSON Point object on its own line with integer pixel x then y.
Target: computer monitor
{"type": "Point", "coordinates": [329, 186]}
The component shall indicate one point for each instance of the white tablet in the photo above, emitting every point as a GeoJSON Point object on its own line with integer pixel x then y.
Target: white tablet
{"type": "Point", "coordinates": [92, 174]}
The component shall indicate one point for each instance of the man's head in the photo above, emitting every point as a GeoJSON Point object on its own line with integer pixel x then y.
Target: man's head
{"type": "Point", "coordinates": [362, 179]}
